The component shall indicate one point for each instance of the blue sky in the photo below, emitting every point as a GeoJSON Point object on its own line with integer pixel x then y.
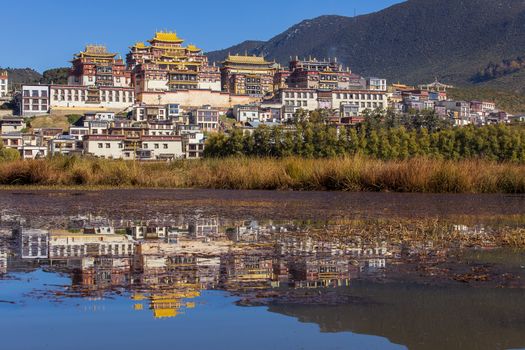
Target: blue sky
{"type": "Point", "coordinates": [45, 34]}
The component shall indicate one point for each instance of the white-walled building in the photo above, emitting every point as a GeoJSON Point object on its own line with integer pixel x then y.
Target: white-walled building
{"type": "Point", "coordinates": [106, 146]}
{"type": "Point", "coordinates": [11, 124]}
{"type": "Point", "coordinates": [246, 113]}
{"type": "Point", "coordinates": [64, 144]}
{"type": "Point", "coordinates": [145, 112]}
{"type": "Point", "coordinates": [88, 97]}
{"type": "Point", "coordinates": [376, 84]}
{"type": "Point", "coordinates": [308, 99]}
{"type": "Point", "coordinates": [34, 100]}
{"type": "Point", "coordinates": [161, 148]}
{"type": "Point", "coordinates": [207, 118]}
{"type": "Point", "coordinates": [4, 83]}
{"type": "Point", "coordinates": [161, 128]}
{"type": "Point", "coordinates": [193, 139]}
{"type": "Point", "coordinates": [33, 152]}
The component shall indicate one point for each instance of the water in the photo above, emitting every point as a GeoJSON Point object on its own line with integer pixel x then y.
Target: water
{"type": "Point", "coordinates": [260, 270]}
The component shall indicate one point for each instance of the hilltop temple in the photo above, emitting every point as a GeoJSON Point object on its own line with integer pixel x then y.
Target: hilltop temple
{"type": "Point", "coordinates": [248, 75]}
{"type": "Point", "coordinates": [95, 66]}
{"type": "Point", "coordinates": [164, 64]}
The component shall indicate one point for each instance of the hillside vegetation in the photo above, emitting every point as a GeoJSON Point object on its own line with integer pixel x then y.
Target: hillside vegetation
{"type": "Point", "coordinates": [505, 100]}
{"type": "Point", "coordinates": [414, 41]}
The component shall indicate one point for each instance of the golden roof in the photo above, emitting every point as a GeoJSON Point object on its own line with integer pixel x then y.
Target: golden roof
{"type": "Point", "coordinates": [193, 48]}
{"type": "Point", "coordinates": [96, 51]}
{"type": "Point", "coordinates": [170, 37]}
{"type": "Point", "coordinates": [246, 59]}
{"type": "Point", "coordinates": [139, 45]}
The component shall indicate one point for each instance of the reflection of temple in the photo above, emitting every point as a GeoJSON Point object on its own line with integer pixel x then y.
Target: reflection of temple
{"type": "Point", "coordinates": [246, 271]}
{"type": "Point", "coordinates": [322, 272]}
{"type": "Point", "coordinates": [101, 272]}
{"type": "Point", "coordinates": [164, 265]}
{"type": "Point", "coordinates": [167, 304]}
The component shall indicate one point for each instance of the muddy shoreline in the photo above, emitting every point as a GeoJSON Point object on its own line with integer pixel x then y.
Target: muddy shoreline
{"type": "Point", "coordinates": [242, 204]}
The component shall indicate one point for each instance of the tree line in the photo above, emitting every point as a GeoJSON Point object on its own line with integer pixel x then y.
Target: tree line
{"type": "Point", "coordinates": [382, 135]}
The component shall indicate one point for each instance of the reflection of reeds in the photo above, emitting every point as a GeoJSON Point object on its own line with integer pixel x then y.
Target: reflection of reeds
{"type": "Point", "coordinates": [347, 174]}
{"type": "Point", "coordinates": [415, 232]}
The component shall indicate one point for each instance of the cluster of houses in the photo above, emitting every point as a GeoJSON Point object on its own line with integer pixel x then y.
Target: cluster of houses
{"type": "Point", "coordinates": [161, 101]}
{"type": "Point", "coordinates": [433, 97]}
{"type": "Point", "coordinates": [107, 135]}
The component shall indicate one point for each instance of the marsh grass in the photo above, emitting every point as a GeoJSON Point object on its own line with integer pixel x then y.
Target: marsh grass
{"type": "Point", "coordinates": [355, 173]}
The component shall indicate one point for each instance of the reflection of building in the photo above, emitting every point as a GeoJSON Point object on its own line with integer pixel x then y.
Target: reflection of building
{"type": "Point", "coordinates": [202, 228]}
{"type": "Point", "coordinates": [99, 272]}
{"type": "Point", "coordinates": [34, 244]}
{"type": "Point", "coordinates": [168, 304]}
{"type": "Point", "coordinates": [3, 259]}
{"type": "Point", "coordinates": [246, 271]}
{"type": "Point", "coordinates": [63, 244]}
{"type": "Point", "coordinates": [332, 271]}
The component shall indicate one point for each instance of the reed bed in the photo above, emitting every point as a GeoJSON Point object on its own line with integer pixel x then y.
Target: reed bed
{"type": "Point", "coordinates": [354, 173]}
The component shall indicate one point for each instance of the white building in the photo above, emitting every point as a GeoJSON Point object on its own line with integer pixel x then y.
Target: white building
{"type": "Point", "coordinates": [161, 148]}
{"type": "Point", "coordinates": [376, 84]}
{"type": "Point", "coordinates": [33, 152]}
{"type": "Point", "coordinates": [310, 100]}
{"type": "Point", "coordinates": [161, 128]}
{"type": "Point", "coordinates": [64, 144]}
{"type": "Point", "coordinates": [107, 146]}
{"type": "Point", "coordinates": [207, 118]}
{"type": "Point", "coordinates": [100, 116]}
{"type": "Point", "coordinates": [87, 97]}
{"type": "Point", "coordinates": [34, 100]}
{"type": "Point", "coordinates": [11, 124]}
{"type": "Point", "coordinates": [194, 139]}
{"type": "Point", "coordinates": [4, 83]}
{"type": "Point", "coordinates": [157, 112]}
{"type": "Point", "coordinates": [246, 113]}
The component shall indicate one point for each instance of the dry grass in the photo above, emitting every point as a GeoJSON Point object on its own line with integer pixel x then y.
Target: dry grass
{"type": "Point", "coordinates": [342, 174]}
{"type": "Point", "coordinates": [50, 121]}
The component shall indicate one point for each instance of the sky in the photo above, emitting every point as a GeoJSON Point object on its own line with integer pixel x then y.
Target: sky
{"type": "Point", "coordinates": [46, 34]}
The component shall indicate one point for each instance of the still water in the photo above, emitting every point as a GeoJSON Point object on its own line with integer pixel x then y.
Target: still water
{"type": "Point", "coordinates": [260, 270]}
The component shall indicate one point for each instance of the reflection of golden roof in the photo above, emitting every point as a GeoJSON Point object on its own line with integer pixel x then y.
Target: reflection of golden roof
{"type": "Point", "coordinates": [170, 37]}
{"type": "Point", "coordinates": [246, 59]}
{"type": "Point", "coordinates": [164, 313]}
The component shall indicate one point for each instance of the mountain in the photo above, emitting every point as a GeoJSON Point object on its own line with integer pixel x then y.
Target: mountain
{"type": "Point", "coordinates": [413, 41]}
